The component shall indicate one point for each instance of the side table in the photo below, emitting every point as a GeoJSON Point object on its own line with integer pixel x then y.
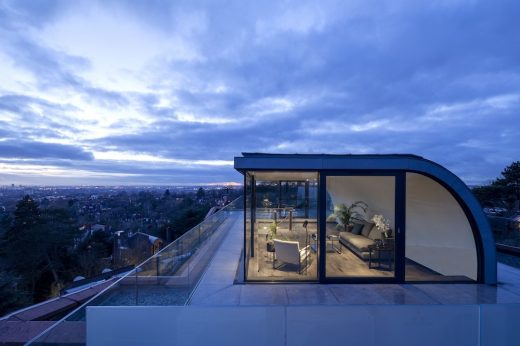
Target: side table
{"type": "Point", "coordinates": [380, 254]}
{"type": "Point", "coordinates": [333, 238]}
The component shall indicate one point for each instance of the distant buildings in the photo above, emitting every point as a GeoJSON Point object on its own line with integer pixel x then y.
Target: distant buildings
{"type": "Point", "coordinates": [135, 247]}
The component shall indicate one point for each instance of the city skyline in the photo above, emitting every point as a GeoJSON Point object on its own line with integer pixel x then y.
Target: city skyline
{"type": "Point", "coordinates": [142, 93]}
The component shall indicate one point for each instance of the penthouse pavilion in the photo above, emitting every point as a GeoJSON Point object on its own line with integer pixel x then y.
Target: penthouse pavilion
{"type": "Point", "coordinates": [361, 218]}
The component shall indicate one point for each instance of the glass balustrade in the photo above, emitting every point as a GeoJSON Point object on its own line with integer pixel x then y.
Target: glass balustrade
{"type": "Point", "coordinates": [167, 278]}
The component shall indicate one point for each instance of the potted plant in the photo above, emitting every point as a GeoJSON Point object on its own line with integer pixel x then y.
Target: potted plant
{"type": "Point", "coordinates": [348, 214]}
{"type": "Point", "coordinates": [271, 235]}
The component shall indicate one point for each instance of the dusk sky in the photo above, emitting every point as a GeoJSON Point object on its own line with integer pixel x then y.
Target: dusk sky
{"type": "Point", "coordinates": [168, 92]}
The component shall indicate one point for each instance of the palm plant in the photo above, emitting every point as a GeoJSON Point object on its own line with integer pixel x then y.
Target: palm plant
{"type": "Point", "coordinates": [354, 212]}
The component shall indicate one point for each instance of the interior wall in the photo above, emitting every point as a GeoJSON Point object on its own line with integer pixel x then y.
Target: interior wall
{"type": "Point", "coordinates": [438, 234]}
{"type": "Point", "coordinates": [378, 192]}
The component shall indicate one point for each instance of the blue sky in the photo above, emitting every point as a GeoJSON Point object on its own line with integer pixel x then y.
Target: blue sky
{"type": "Point", "coordinates": [168, 92]}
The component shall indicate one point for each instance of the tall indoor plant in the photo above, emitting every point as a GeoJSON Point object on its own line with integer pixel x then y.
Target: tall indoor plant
{"type": "Point", "coordinates": [348, 214]}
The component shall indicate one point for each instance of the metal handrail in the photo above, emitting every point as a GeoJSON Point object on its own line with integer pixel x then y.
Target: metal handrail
{"type": "Point", "coordinates": [509, 249]}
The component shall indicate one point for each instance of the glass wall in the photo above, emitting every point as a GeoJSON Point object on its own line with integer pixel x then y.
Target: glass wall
{"type": "Point", "coordinates": [283, 237]}
{"type": "Point", "coordinates": [439, 239]}
{"type": "Point", "coordinates": [282, 233]}
{"type": "Point", "coordinates": [248, 188]}
{"type": "Point", "coordinates": [360, 226]}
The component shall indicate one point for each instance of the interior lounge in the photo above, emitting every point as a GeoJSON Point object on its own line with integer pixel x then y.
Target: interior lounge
{"type": "Point", "coordinates": [359, 218]}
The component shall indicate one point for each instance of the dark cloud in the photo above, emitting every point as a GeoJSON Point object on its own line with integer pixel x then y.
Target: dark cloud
{"type": "Point", "coordinates": [27, 13]}
{"type": "Point", "coordinates": [202, 141]}
{"type": "Point", "coordinates": [38, 150]}
{"type": "Point", "coordinates": [34, 118]}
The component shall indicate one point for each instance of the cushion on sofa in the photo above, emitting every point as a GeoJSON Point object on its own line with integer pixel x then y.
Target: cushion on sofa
{"type": "Point", "coordinates": [375, 233]}
{"type": "Point", "coordinates": [367, 228]}
{"type": "Point", "coordinates": [347, 235]}
{"type": "Point", "coordinates": [357, 229]}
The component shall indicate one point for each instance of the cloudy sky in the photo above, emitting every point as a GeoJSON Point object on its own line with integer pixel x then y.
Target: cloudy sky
{"type": "Point", "coordinates": [168, 92]}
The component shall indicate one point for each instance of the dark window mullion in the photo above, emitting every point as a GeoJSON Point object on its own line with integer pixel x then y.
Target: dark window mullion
{"type": "Point", "coordinates": [322, 212]}
{"type": "Point", "coordinates": [400, 231]}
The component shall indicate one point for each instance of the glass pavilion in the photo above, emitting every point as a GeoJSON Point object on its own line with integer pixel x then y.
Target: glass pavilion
{"type": "Point", "coordinates": [361, 218]}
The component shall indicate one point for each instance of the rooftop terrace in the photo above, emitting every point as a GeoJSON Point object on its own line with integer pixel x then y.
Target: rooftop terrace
{"type": "Point", "coordinates": [218, 286]}
{"type": "Point", "coordinates": [212, 303]}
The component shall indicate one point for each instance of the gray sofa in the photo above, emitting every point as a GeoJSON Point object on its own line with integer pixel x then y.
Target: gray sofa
{"type": "Point", "coordinates": [358, 243]}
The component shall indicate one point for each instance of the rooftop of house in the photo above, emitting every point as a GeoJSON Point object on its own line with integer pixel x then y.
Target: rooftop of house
{"type": "Point", "coordinates": [331, 155]}
{"type": "Point", "coordinates": [220, 286]}
{"type": "Point", "coordinates": [329, 161]}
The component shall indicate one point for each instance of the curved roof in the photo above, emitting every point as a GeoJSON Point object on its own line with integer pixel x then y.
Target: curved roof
{"type": "Point", "coordinates": [398, 162]}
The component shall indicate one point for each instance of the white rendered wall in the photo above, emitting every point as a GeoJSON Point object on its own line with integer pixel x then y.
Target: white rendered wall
{"type": "Point", "coordinates": [377, 192]}
{"type": "Point", "coordinates": [438, 234]}
{"type": "Point", "coordinates": [368, 325]}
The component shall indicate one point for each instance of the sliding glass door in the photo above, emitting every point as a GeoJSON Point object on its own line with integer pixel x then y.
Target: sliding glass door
{"type": "Point", "coordinates": [281, 230]}
{"type": "Point", "coordinates": [359, 227]}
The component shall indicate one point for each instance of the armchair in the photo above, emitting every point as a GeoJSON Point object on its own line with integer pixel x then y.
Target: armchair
{"type": "Point", "coordinates": [289, 252]}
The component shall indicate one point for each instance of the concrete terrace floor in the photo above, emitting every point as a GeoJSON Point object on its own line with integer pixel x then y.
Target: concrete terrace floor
{"type": "Point", "coordinates": [217, 287]}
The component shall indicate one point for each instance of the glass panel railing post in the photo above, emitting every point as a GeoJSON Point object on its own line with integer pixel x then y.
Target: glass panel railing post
{"type": "Point", "coordinates": [157, 266]}
{"type": "Point", "coordinates": [136, 288]}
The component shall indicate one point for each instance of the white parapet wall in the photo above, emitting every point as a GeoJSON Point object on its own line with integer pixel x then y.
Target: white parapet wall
{"type": "Point", "coordinates": [460, 325]}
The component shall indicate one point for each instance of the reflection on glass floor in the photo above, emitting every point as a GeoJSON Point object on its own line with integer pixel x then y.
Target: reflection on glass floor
{"type": "Point", "coordinates": [347, 263]}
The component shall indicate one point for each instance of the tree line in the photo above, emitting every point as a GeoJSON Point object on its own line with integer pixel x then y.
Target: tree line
{"type": "Point", "coordinates": [42, 249]}
{"type": "Point", "coordinates": [36, 254]}
{"type": "Point", "coordinates": [502, 192]}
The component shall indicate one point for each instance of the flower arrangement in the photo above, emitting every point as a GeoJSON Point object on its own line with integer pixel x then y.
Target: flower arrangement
{"type": "Point", "coordinates": [381, 223]}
